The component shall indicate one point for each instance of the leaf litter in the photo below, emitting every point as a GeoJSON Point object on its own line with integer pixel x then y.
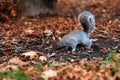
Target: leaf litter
{"type": "Point", "coordinates": [29, 44]}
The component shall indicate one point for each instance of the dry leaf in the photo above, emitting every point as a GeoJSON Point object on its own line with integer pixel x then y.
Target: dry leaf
{"type": "Point", "coordinates": [48, 32]}
{"type": "Point", "coordinates": [17, 61]}
{"type": "Point", "coordinates": [29, 31]}
{"type": "Point", "coordinates": [30, 55]}
{"type": "Point", "coordinates": [53, 54]}
{"type": "Point", "coordinates": [49, 73]}
{"type": "Point", "coordinates": [43, 58]}
{"type": "Point", "coordinates": [8, 67]}
{"type": "Point", "coordinates": [13, 13]}
{"type": "Point", "coordinates": [94, 40]}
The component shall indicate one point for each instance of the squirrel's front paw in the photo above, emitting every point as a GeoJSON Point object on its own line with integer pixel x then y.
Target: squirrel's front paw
{"type": "Point", "coordinates": [89, 44]}
{"type": "Point", "coordinates": [73, 49]}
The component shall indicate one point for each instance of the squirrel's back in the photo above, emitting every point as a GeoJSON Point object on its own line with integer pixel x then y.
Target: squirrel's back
{"type": "Point", "coordinates": [74, 38]}
{"type": "Point", "coordinates": [78, 35]}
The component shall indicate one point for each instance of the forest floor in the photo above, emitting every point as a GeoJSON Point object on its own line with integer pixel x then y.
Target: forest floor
{"type": "Point", "coordinates": [28, 44]}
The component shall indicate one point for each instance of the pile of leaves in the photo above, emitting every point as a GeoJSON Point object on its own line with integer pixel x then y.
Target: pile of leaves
{"type": "Point", "coordinates": [96, 68]}
{"type": "Point", "coordinates": [7, 10]}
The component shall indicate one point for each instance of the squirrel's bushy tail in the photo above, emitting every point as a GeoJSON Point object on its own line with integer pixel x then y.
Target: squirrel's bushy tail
{"type": "Point", "coordinates": [87, 21]}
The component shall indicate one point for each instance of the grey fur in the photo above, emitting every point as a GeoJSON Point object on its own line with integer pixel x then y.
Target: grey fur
{"type": "Point", "coordinates": [87, 20]}
{"type": "Point", "coordinates": [76, 37]}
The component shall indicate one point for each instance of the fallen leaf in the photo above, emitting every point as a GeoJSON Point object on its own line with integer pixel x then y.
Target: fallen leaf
{"type": "Point", "coordinates": [94, 40]}
{"type": "Point", "coordinates": [48, 32]}
{"type": "Point", "coordinates": [49, 73]}
{"type": "Point", "coordinates": [43, 58]}
{"type": "Point", "coordinates": [29, 31]}
{"type": "Point", "coordinates": [8, 67]}
{"type": "Point", "coordinates": [30, 55]}
{"type": "Point", "coordinates": [17, 61]}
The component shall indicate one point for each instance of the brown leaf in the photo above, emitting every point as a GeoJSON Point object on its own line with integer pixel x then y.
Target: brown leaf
{"type": "Point", "coordinates": [42, 58]}
{"type": "Point", "coordinates": [17, 61]}
{"type": "Point", "coordinates": [13, 13]}
{"type": "Point", "coordinates": [30, 55]}
{"type": "Point", "coordinates": [49, 73]}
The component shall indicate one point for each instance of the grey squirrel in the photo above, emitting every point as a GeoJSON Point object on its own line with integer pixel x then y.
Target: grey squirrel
{"type": "Point", "coordinates": [76, 37]}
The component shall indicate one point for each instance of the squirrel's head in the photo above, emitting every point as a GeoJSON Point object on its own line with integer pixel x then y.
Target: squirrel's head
{"type": "Point", "coordinates": [87, 20]}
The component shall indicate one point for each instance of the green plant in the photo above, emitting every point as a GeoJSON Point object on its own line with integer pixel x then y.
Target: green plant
{"type": "Point", "coordinates": [112, 60]}
{"type": "Point", "coordinates": [111, 55]}
{"type": "Point", "coordinates": [14, 74]}
{"type": "Point", "coordinates": [39, 67]}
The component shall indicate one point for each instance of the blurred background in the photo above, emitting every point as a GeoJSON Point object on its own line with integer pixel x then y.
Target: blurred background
{"type": "Point", "coordinates": [12, 8]}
